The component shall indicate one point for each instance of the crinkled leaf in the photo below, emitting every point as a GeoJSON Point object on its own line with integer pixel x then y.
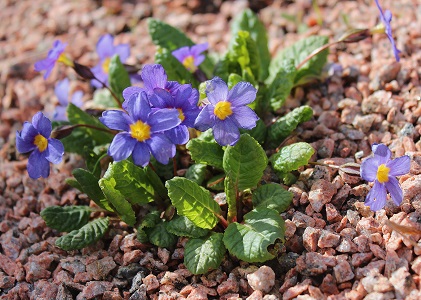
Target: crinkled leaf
{"type": "Point", "coordinates": [248, 21]}
{"type": "Point", "coordinates": [159, 236]}
{"type": "Point", "coordinates": [118, 77]}
{"type": "Point", "coordinates": [204, 254]}
{"type": "Point", "coordinates": [292, 157]}
{"type": "Point", "coordinates": [131, 181]}
{"type": "Point", "coordinates": [122, 207]}
{"type": "Point", "coordinates": [182, 226]}
{"type": "Point", "coordinates": [298, 52]}
{"type": "Point", "coordinates": [281, 86]}
{"type": "Point", "coordinates": [249, 241]}
{"type": "Point", "coordinates": [66, 218]}
{"type": "Point", "coordinates": [197, 173]}
{"type": "Point", "coordinates": [272, 196]}
{"type": "Point", "coordinates": [284, 126]}
{"type": "Point", "coordinates": [245, 162]}
{"type": "Point", "coordinates": [193, 201]}
{"type": "Point", "coordinates": [204, 152]}
{"type": "Point", "coordinates": [84, 236]}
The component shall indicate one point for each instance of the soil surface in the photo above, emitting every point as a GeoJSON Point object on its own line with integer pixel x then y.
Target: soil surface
{"type": "Point", "coordinates": [336, 248]}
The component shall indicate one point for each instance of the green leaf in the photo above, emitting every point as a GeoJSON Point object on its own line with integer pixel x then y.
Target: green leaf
{"type": "Point", "coordinates": [284, 126]}
{"type": "Point", "coordinates": [149, 221]}
{"type": "Point", "coordinates": [272, 196]}
{"type": "Point", "coordinates": [216, 183]}
{"type": "Point", "coordinates": [66, 218]}
{"type": "Point", "coordinates": [118, 201]}
{"type": "Point", "coordinates": [194, 202]}
{"type": "Point", "coordinates": [281, 86]}
{"type": "Point", "coordinates": [197, 173]}
{"type": "Point", "coordinates": [85, 236]}
{"type": "Point", "coordinates": [298, 52]}
{"type": "Point", "coordinates": [78, 116]}
{"type": "Point", "coordinates": [204, 254]}
{"type": "Point", "coordinates": [118, 77]}
{"type": "Point", "coordinates": [103, 99]}
{"type": "Point", "coordinates": [78, 142]}
{"type": "Point", "coordinates": [249, 241]}
{"type": "Point", "coordinates": [156, 183]}
{"type": "Point", "coordinates": [233, 79]}
{"type": "Point", "coordinates": [292, 157]}
{"type": "Point", "coordinates": [74, 183]}
{"type": "Point", "coordinates": [245, 162]}
{"type": "Point", "coordinates": [208, 153]}
{"type": "Point", "coordinates": [258, 133]}
{"type": "Point", "coordinates": [159, 236]}
{"type": "Point", "coordinates": [244, 51]}
{"type": "Point", "coordinates": [231, 198]}
{"type": "Point", "coordinates": [131, 181]}
{"type": "Point", "coordinates": [248, 21]}
{"type": "Point", "coordinates": [182, 226]}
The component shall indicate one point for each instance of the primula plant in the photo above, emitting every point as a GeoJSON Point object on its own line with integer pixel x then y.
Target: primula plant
{"type": "Point", "coordinates": [223, 114]}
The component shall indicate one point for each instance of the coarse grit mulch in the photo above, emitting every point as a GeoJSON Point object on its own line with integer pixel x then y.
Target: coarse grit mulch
{"type": "Point", "coordinates": [336, 248]}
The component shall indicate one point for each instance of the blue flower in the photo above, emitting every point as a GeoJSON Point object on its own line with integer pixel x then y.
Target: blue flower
{"type": "Point", "coordinates": [191, 57]}
{"type": "Point", "coordinates": [62, 92]}
{"type": "Point", "coordinates": [386, 18]}
{"type": "Point", "coordinates": [227, 111]}
{"type": "Point", "coordinates": [141, 131]}
{"type": "Point", "coordinates": [35, 137]}
{"type": "Point", "coordinates": [383, 171]}
{"type": "Point", "coordinates": [54, 55]}
{"type": "Point", "coordinates": [106, 50]}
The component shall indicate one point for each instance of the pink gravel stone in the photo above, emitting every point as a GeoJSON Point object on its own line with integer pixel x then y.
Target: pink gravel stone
{"type": "Point", "coordinates": [94, 289]}
{"type": "Point", "coordinates": [329, 285]}
{"type": "Point", "coordinates": [7, 265]}
{"type": "Point", "coordinates": [359, 259]}
{"type": "Point", "coordinates": [151, 282]}
{"type": "Point", "coordinates": [132, 257]}
{"type": "Point", "coordinates": [310, 238]}
{"type": "Point", "coordinates": [302, 221]}
{"type": "Point", "coordinates": [256, 295]}
{"type": "Point", "coordinates": [321, 193]}
{"type": "Point", "coordinates": [294, 291]}
{"type": "Point", "coordinates": [100, 269]}
{"type": "Point", "coordinates": [263, 279]}
{"type": "Point", "coordinates": [346, 246]}
{"type": "Point", "coordinates": [343, 272]}
{"type": "Point", "coordinates": [377, 251]}
{"type": "Point", "coordinates": [328, 239]}
{"type": "Point", "coordinates": [332, 213]}
{"type": "Point", "coordinates": [231, 285]}
{"type": "Point", "coordinates": [403, 282]}
{"type": "Point", "coordinates": [375, 282]}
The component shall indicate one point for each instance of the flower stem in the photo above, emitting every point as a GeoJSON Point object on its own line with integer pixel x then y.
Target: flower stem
{"type": "Point", "coordinates": [222, 220]}
{"type": "Point", "coordinates": [112, 93]}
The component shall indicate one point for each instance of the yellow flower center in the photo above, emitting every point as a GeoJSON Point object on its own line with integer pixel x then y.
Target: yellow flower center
{"type": "Point", "coordinates": [41, 142]}
{"type": "Point", "coordinates": [106, 65]}
{"type": "Point", "coordinates": [65, 60]}
{"type": "Point", "coordinates": [140, 131]}
{"type": "Point", "coordinates": [379, 28]}
{"type": "Point", "coordinates": [222, 110]}
{"type": "Point", "coordinates": [188, 62]}
{"type": "Point", "coordinates": [180, 114]}
{"type": "Point", "coordinates": [383, 173]}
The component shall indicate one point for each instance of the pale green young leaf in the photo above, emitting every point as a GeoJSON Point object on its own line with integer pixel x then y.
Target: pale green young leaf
{"type": "Point", "coordinates": [272, 196]}
{"type": "Point", "coordinates": [194, 202]}
{"type": "Point", "coordinates": [204, 254]}
{"type": "Point", "coordinates": [204, 152]}
{"type": "Point", "coordinates": [66, 218]}
{"type": "Point", "coordinates": [249, 241]}
{"type": "Point", "coordinates": [244, 51]}
{"type": "Point", "coordinates": [182, 226]}
{"type": "Point", "coordinates": [84, 236]}
{"type": "Point", "coordinates": [292, 157]}
{"type": "Point", "coordinates": [118, 77]}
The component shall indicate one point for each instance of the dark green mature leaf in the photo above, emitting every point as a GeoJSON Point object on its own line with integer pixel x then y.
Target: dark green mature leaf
{"type": "Point", "coordinates": [197, 173]}
{"type": "Point", "coordinates": [284, 126]}
{"type": "Point", "coordinates": [292, 157]}
{"type": "Point", "coordinates": [131, 181]}
{"type": "Point", "coordinates": [216, 183]}
{"type": "Point", "coordinates": [74, 183]}
{"type": "Point", "coordinates": [118, 201]}
{"type": "Point", "coordinates": [84, 236]}
{"type": "Point", "coordinates": [159, 236]}
{"type": "Point", "coordinates": [281, 86]}
{"type": "Point", "coordinates": [298, 52]}
{"type": "Point", "coordinates": [182, 226]}
{"type": "Point", "coordinates": [245, 162]}
{"type": "Point", "coordinates": [149, 221]}
{"type": "Point", "coordinates": [66, 218]}
{"type": "Point", "coordinates": [118, 77]}
{"type": "Point", "coordinates": [258, 133]}
{"type": "Point", "coordinates": [156, 183]}
{"type": "Point", "coordinates": [193, 201]}
{"type": "Point", "coordinates": [248, 21]}
{"type": "Point", "coordinates": [272, 196]}
{"type": "Point", "coordinates": [208, 153]}
{"type": "Point", "coordinates": [78, 142]}
{"type": "Point", "coordinates": [169, 37]}
{"type": "Point", "coordinates": [249, 241]}
{"type": "Point", "coordinates": [204, 254]}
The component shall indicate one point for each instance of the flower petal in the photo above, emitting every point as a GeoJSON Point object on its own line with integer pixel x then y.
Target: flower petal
{"type": "Point", "coordinates": [198, 49]}
{"type": "Point", "coordinates": [382, 152]}
{"type": "Point", "coordinates": [376, 198]}
{"type": "Point", "coordinates": [163, 119]}
{"type": "Point", "coordinates": [122, 146]}
{"type": "Point", "coordinates": [116, 120]}
{"type": "Point", "coordinates": [216, 90]}
{"type": "Point", "coordinates": [225, 132]}
{"type": "Point", "coordinates": [127, 92]}
{"type": "Point", "coordinates": [22, 145]}
{"type": "Point", "coordinates": [154, 76]}
{"type": "Point", "coordinates": [123, 51]}
{"type": "Point", "coordinates": [55, 151]}
{"type": "Point", "coordinates": [28, 133]}
{"type": "Point", "coordinates": [181, 53]}
{"type": "Point", "coordinates": [161, 99]}
{"type": "Point", "coordinates": [138, 106]}
{"type": "Point", "coordinates": [395, 190]}
{"type": "Point", "coordinates": [77, 98]}
{"type": "Point", "coordinates": [38, 166]}
{"type": "Point", "coordinates": [141, 154]}
{"type": "Point", "coordinates": [178, 135]}
{"type": "Point", "coordinates": [205, 119]}
{"type": "Point", "coordinates": [62, 91]}
{"type": "Point", "coordinates": [245, 117]}
{"type": "Point", "coordinates": [242, 93]}
{"type": "Point", "coordinates": [399, 166]}
{"type": "Point", "coordinates": [42, 124]}
{"type": "Point", "coordinates": [60, 113]}
{"type": "Point", "coordinates": [369, 168]}
{"type": "Point", "coordinates": [190, 116]}
{"type": "Point", "coordinates": [162, 149]}
{"type": "Point", "coordinates": [105, 46]}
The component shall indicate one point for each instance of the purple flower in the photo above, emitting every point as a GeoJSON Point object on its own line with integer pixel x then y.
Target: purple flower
{"type": "Point", "coordinates": [382, 170]}
{"type": "Point", "coordinates": [191, 57]}
{"type": "Point", "coordinates": [142, 131]}
{"type": "Point", "coordinates": [54, 55]}
{"type": "Point", "coordinates": [35, 137]}
{"type": "Point", "coordinates": [227, 111]}
{"type": "Point", "coordinates": [106, 50]}
{"type": "Point", "coordinates": [62, 92]}
{"type": "Point", "coordinates": [386, 18]}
